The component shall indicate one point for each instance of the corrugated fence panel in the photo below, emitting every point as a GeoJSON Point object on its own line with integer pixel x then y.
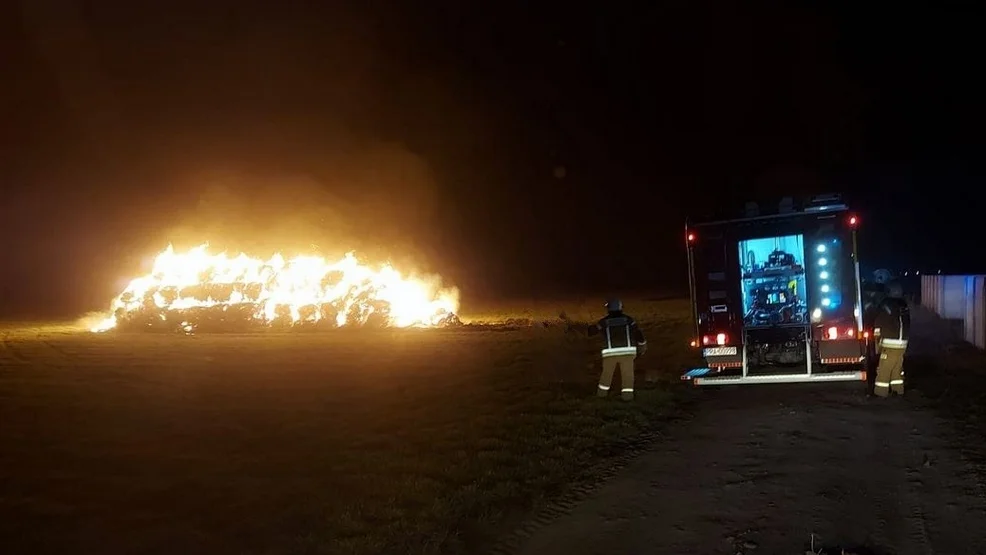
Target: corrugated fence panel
{"type": "Point", "coordinates": [969, 318]}
{"type": "Point", "coordinates": [958, 298]}
{"type": "Point", "coordinates": [953, 298]}
{"type": "Point", "coordinates": [979, 312]}
{"type": "Point", "coordinates": [930, 292]}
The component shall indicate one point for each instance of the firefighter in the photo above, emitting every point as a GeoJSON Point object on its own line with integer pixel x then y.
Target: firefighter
{"type": "Point", "coordinates": [892, 328]}
{"type": "Point", "coordinates": [874, 291]}
{"type": "Point", "coordinates": [622, 343]}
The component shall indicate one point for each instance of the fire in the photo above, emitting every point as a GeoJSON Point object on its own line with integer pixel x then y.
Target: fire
{"type": "Point", "coordinates": [305, 289]}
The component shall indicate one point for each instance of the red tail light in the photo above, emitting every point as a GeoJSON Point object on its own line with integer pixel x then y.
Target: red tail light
{"type": "Point", "coordinates": [690, 237]}
{"type": "Point", "coordinates": [718, 339]}
{"type": "Point", "coordinates": [834, 333]}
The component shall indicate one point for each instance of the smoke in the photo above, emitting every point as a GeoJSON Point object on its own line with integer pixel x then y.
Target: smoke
{"type": "Point", "coordinates": [379, 201]}
{"type": "Point", "coordinates": [243, 212]}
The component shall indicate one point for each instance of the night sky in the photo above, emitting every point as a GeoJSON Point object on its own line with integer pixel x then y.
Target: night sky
{"type": "Point", "coordinates": [502, 146]}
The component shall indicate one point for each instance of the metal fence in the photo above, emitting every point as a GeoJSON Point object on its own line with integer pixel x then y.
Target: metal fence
{"type": "Point", "coordinates": [958, 298]}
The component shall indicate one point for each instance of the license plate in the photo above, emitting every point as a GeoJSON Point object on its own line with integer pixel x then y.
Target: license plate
{"type": "Point", "coordinates": [719, 351]}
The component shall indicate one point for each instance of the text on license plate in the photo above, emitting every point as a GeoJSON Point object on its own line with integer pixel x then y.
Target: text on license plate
{"type": "Point", "coordinates": [718, 351]}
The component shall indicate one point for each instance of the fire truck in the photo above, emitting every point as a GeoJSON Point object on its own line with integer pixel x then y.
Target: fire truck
{"type": "Point", "coordinates": [776, 294]}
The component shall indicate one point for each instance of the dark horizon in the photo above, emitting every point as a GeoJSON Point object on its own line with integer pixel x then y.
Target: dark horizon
{"type": "Point", "coordinates": [500, 147]}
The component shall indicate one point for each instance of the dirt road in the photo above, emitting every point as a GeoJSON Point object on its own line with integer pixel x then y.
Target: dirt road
{"type": "Point", "coordinates": [761, 469]}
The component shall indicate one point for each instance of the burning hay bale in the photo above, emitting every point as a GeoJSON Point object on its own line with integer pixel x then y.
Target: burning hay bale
{"type": "Point", "coordinates": [201, 292]}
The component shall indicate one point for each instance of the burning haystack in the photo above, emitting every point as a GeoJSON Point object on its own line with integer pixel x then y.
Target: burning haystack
{"type": "Point", "coordinates": [202, 291]}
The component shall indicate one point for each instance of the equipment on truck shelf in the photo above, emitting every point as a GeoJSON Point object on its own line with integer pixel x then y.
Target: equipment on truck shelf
{"type": "Point", "coordinates": [776, 294]}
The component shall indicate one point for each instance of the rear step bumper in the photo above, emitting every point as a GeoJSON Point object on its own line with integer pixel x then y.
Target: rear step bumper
{"type": "Point", "coordinates": [707, 376]}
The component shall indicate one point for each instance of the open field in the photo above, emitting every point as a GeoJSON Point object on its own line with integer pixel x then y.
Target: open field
{"type": "Point", "coordinates": [655, 313]}
{"type": "Point", "coordinates": [443, 441]}
{"type": "Point", "coordinates": [418, 441]}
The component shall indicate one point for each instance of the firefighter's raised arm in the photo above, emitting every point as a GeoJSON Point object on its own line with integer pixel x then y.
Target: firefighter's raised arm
{"type": "Point", "coordinates": [596, 328]}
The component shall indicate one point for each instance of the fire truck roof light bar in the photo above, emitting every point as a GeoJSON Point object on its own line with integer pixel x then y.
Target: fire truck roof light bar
{"type": "Point", "coordinates": [823, 206]}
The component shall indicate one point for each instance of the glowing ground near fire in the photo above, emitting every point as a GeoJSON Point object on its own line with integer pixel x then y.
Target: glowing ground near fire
{"type": "Point", "coordinates": [201, 290]}
{"type": "Point", "coordinates": [375, 441]}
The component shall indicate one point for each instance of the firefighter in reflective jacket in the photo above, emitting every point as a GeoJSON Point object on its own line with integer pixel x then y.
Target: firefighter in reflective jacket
{"type": "Point", "coordinates": [622, 342]}
{"type": "Point", "coordinates": [892, 327]}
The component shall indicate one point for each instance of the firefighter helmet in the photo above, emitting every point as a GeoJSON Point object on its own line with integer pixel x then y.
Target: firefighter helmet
{"type": "Point", "coordinates": [614, 305]}
{"type": "Point", "coordinates": [881, 276]}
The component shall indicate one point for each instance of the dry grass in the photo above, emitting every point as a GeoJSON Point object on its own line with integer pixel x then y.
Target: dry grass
{"type": "Point", "coordinates": [346, 442]}
{"type": "Point", "coordinates": [647, 311]}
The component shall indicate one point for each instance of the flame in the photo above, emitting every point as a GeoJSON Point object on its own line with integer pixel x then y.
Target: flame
{"type": "Point", "coordinates": [302, 289]}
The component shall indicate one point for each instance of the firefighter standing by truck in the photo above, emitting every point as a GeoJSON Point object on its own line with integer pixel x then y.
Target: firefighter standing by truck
{"type": "Point", "coordinates": [874, 292]}
{"type": "Point", "coordinates": [622, 343]}
{"type": "Point", "coordinates": [891, 328]}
